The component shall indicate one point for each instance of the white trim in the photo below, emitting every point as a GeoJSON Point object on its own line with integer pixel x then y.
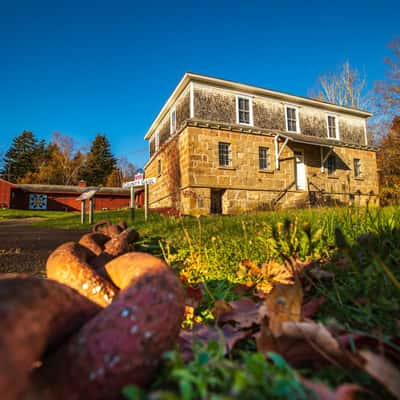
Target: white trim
{"type": "Point", "coordinates": [172, 126]}
{"type": "Point", "coordinates": [250, 99]}
{"type": "Point", "coordinates": [336, 126]}
{"type": "Point", "coordinates": [365, 132]}
{"type": "Point", "coordinates": [277, 151]}
{"type": "Point", "coordinates": [191, 94]}
{"type": "Point", "coordinates": [296, 108]}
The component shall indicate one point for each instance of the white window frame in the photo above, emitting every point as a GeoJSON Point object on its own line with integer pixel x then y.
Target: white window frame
{"type": "Point", "coordinates": [250, 99]}
{"type": "Point", "coordinates": [336, 126]}
{"type": "Point", "coordinates": [297, 118]}
{"type": "Point", "coordinates": [156, 140]}
{"type": "Point", "coordinates": [172, 121]}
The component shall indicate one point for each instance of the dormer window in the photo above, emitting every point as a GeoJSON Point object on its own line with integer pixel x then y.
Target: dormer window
{"type": "Point", "coordinates": [332, 126]}
{"type": "Point", "coordinates": [244, 110]}
{"type": "Point", "coordinates": [292, 118]}
{"type": "Point", "coordinates": [172, 120]}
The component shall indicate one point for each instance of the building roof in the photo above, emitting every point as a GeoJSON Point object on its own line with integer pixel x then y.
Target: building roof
{"type": "Point", "coordinates": [70, 189]}
{"type": "Point", "coordinates": [250, 89]}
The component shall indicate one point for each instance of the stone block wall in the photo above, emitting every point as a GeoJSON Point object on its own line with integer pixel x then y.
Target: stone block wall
{"type": "Point", "coordinates": [190, 170]}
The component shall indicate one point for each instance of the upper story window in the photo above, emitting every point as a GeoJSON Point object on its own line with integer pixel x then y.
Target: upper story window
{"type": "Point", "coordinates": [292, 119]}
{"type": "Point", "coordinates": [172, 121]}
{"type": "Point", "coordinates": [244, 110]}
{"type": "Point", "coordinates": [331, 165]}
{"type": "Point", "coordinates": [263, 158]}
{"type": "Point", "coordinates": [224, 154]}
{"type": "Point", "coordinates": [333, 127]}
{"type": "Point", "coordinates": [357, 168]}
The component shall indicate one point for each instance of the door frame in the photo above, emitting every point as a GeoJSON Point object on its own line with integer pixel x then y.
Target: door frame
{"type": "Point", "coordinates": [297, 150]}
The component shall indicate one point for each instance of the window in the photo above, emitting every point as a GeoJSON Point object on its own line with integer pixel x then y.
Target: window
{"type": "Point", "coordinates": [357, 168]}
{"type": "Point", "coordinates": [263, 158]}
{"type": "Point", "coordinates": [172, 119]}
{"type": "Point", "coordinates": [291, 119]}
{"type": "Point", "coordinates": [331, 164]}
{"type": "Point", "coordinates": [244, 110]}
{"type": "Point", "coordinates": [159, 168]}
{"type": "Point", "coordinates": [224, 152]}
{"type": "Point", "coordinates": [333, 129]}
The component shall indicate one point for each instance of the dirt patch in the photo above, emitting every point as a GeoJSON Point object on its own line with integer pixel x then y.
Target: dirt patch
{"type": "Point", "coordinates": [24, 248]}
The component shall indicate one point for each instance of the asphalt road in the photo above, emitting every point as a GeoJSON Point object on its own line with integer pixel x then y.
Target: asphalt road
{"type": "Point", "coordinates": [25, 248]}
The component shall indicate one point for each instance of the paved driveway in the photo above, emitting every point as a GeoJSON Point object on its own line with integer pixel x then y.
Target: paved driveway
{"type": "Point", "coordinates": [25, 248]}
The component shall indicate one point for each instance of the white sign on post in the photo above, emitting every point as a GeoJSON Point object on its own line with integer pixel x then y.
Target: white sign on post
{"type": "Point", "coordinates": [132, 183]}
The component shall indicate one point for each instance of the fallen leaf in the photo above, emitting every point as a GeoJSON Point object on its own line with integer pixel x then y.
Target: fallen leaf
{"type": "Point", "coordinates": [303, 343]}
{"type": "Point", "coordinates": [346, 391]}
{"type": "Point", "coordinates": [283, 304]}
{"type": "Point", "coordinates": [220, 308]}
{"type": "Point", "coordinates": [227, 336]}
{"type": "Point", "coordinates": [244, 313]}
{"type": "Point", "coordinates": [382, 370]}
{"type": "Point", "coordinates": [310, 308]}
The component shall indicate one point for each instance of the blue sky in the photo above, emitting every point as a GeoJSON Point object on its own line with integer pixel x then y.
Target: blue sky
{"type": "Point", "coordinates": [83, 67]}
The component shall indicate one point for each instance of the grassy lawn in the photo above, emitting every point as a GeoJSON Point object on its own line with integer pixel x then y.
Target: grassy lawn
{"type": "Point", "coordinates": [17, 214]}
{"type": "Point", "coordinates": [358, 249]}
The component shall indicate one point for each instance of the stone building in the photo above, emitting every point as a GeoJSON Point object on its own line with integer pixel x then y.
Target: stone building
{"type": "Point", "coordinates": [218, 146]}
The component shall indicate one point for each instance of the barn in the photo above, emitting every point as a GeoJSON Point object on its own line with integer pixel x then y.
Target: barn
{"type": "Point", "coordinates": [61, 197]}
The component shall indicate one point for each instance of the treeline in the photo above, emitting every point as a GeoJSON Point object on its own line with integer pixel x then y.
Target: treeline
{"type": "Point", "coordinates": [29, 160]}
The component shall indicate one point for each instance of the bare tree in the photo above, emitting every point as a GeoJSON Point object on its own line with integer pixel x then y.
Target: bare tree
{"type": "Point", "coordinates": [345, 87]}
{"type": "Point", "coordinates": [127, 169]}
{"type": "Point", "coordinates": [387, 92]}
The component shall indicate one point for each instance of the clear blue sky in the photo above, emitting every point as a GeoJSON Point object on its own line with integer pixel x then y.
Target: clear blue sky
{"type": "Point", "coordinates": [83, 67]}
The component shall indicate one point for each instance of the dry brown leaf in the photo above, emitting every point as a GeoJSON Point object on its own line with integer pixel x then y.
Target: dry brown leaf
{"type": "Point", "coordinates": [383, 371]}
{"type": "Point", "coordinates": [227, 336]}
{"type": "Point", "coordinates": [220, 308]}
{"type": "Point", "coordinates": [283, 304]}
{"type": "Point", "coordinates": [347, 391]}
{"type": "Point", "coordinates": [310, 308]}
{"type": "Point", "coordinates": [244, 313]}
{"type": "Point", "coordinates": [314, 333]}
{"type": "Point", "coordinates": [303, 342]}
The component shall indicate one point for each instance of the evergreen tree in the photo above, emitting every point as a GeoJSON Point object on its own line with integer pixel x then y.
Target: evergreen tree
{"type": "Point", "coordinates": [99, 163]}
{"type": "Point", "coordinates": [23, 157]}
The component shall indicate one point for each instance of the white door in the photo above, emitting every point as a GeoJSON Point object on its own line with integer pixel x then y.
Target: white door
{"type": "Point", "coordinates": [301, 181]}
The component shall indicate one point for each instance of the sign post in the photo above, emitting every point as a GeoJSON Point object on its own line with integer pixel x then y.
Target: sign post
{"type": "Point", "coordinates": [147, 182]}
{"type": "Point", "coordinates": [132, 184]}
{"type": "Point", "coordinates": [88, 195]}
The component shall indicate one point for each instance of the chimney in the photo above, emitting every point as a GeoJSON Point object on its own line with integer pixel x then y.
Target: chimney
{"type": "Point", "coordinates": [82, 183]}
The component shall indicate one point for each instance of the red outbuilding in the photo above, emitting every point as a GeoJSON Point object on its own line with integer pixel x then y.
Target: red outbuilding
{"type": "Point", "coordinates": [62, 197]}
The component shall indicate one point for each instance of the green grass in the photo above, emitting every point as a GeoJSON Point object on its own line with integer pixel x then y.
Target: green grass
{"type": "Point", "coordinates": [17, 214]}
{"type": "Point", "coordinates": [359, 247]}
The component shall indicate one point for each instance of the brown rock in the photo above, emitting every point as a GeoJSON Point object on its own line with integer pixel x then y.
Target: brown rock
{"type": "Point", "coordinates": [126, 269]}
{"type": "Point", "coordinates": [123, 344]}
{"type": "Point", "coordinates": [68, 264]}
{"type": "Point", "coordinates": [36, 316]}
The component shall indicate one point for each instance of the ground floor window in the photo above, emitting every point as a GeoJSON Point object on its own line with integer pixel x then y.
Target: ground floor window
{"type": "Point", "coordinates": [224, 153]}
{"type": "Point", "coordinates": [263, 158]}
{"type": "Point", "coordinates": [357, 167]}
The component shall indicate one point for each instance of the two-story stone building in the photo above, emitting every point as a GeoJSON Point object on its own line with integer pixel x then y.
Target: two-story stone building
{"type": "Point", "coordinates": [223, 147]}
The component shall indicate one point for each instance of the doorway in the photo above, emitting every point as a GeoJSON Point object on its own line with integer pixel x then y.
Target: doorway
{"type": "Point", "coordinates": [216, 201]}
{"type": "Point", "coordinates": [300, 170]}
